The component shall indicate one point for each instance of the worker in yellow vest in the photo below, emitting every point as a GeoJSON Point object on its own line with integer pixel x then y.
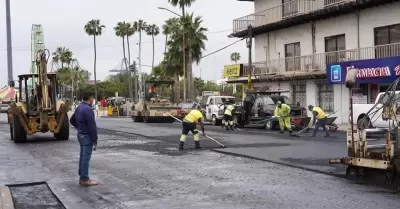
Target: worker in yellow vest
{"type": "Point", "coordinates": [228, 116]}
{"type": "Point", "coordinates": [189, 124]}
{"type": "Point", "coordinates": [283, 112]}
{"type": "Point", "coordinates": [319, 119]}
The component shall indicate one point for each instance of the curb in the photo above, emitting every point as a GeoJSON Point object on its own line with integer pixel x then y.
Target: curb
{"type": "Point", "coordinates": [6, 201]}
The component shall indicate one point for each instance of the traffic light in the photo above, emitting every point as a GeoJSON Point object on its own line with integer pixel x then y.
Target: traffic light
{"type": "Point", "coordinates": [132, 67]}
{"type": "Point", "coordinates": [11, 84]}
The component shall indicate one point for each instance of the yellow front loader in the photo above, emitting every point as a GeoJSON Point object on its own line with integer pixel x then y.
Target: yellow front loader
{"type": "Point", "coordinates": [38, 110]}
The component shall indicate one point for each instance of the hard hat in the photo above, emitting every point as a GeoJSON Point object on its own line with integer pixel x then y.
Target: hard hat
{"type": "Point", "coordinates": [279, 103]}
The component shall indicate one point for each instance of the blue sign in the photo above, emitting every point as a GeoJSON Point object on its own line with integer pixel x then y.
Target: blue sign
{"type": "Point", "coordinates": [384, 70]}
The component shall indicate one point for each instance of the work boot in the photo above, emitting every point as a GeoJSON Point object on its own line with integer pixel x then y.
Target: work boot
{"type": "Point", "coordinates": [227, 128]}
{"type": "Point", "coordinates": [181, 145]}
{"type": "Point", "coordinates": [197, 145]}
{"type": "Point", "coordinates": [290, 132]}
{"type": "Point", "coordinates": [232, 128]}
{"type": "Point", "coordinates": [281, 132]}
{"type": "Point", "coordinates": [88, 183]}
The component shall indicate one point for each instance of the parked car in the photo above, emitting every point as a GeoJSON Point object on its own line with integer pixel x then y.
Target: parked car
{"type": "Point", "coordinates": [372, 120]}
{"type": "Point", "coordinates": [264, 107]}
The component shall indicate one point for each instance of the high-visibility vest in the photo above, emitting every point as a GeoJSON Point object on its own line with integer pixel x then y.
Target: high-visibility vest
{"type": "Point", "coordinates": [321, 114]}
{"type": "Point", "coordinates": [229, 109]}
{"type": "Point", "coordinates": [283, 111]}
{"type": "Point", "coordinates": [193, 116]}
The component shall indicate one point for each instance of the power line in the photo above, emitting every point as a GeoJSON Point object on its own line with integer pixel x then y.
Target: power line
{"type": "Point", "coordinates": [222, 48]}
{"type": "Point", "coordinates": [102, 46]}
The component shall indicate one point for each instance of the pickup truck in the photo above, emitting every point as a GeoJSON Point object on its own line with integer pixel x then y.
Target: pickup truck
{"type": "Point", "coordinates": [372, 120]}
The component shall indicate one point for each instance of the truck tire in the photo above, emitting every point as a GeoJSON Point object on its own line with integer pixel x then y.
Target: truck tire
{"type": "Point", "coordinates": [64, 131]}
{"type": "Point", "coordinates": [363, 123]}
{"type": "Point", "coordinates": [18, 134]}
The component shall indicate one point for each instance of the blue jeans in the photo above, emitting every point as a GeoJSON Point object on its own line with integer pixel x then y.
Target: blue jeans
{"type": "Point", "coordinates": [86, 147]}
{"type": "Point", "coordinates": [320, 123]}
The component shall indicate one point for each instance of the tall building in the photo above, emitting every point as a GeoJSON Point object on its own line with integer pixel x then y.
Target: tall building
{"type": "Point", "coordinates": [307, 46]}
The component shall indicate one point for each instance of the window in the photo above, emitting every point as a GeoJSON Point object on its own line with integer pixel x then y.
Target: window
{"type": "Point", "coordinates": [268, 101]}
{"type": "Point", "coordinates": [292, 56]}
{"type": "Point", "coordinates": [299, 93]}
{"type": "Point", "coordinates": [289, 8]}
{"type": "Point", "coordinates": [387, 35]}
{"type": "Point", "coordinates": [334, 48]}
{"type": "Point", "coordinates": [325, 95]}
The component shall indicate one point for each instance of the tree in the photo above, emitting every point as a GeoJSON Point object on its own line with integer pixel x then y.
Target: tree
{"type": "Point", "coordinates": [168, 29]}
{"type": "Point", "coordinates": [62, 55]}
{"type": "Point", "coordinates": [124, 29]}
{"type": "Point", "coordinates": [94, 28]}
{"type": "Point", "coordinates": [235, 56]}
{"type": "Point", "coordinates": [182, 4]}
{"type": "Point", "coordinates": [140, 26]}
{"type": "Point", "coordinates": [195, 44]}
{"type": "Point", "coordinates": [152, 30]}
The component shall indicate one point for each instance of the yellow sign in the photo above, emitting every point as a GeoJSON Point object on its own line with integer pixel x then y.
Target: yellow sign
{"type": "Point", "coordinates": [232, 70]}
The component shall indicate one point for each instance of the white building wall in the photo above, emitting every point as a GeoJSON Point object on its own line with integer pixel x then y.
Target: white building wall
{"type": "Point", "coordinates": [261, 5]}
{"type": "Point", "coordinates": [346, 24]}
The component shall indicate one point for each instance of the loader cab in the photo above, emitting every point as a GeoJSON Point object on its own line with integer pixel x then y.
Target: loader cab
{"type": "Point", "coordinates": [32, 94]}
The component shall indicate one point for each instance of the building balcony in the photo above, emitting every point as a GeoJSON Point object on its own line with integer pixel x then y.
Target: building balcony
{"type": "Point", "coordinates": [315, 65]}
{"type": "Point", "coordinates": [297, 12]}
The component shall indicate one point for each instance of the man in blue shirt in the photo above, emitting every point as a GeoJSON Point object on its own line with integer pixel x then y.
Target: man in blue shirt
{"type": "Point", "coordinates": [83, 120]}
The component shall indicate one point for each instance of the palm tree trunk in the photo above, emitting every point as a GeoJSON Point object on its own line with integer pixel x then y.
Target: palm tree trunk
{"type": "Point", "coordinates": [130, 83]}
{"type": "Point", "coordinates": [152, 63]}
{"type": "Point", "coordinates": [190, 76]}
{"type": "Point", "coordinates": [166, 42]}
{"type": "Point", "coordinates": [126, 65]}
{"type": "Point", "coordinates": [177, 89]}
{"type": "Point", "coordinates": [94, 69]}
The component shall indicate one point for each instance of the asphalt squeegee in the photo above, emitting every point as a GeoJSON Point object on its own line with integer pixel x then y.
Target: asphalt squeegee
{"type": "Point", "coordinates": [221, 145]}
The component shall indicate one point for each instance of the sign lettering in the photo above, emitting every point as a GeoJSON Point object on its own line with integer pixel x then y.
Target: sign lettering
{"type": "Point", "coordinates": [382, 70]}
{"type": "Point", "coordinates": [232, 70]}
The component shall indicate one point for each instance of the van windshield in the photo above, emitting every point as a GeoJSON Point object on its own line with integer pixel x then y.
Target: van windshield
{"type": "Point", "coordinates": [221, 100]}
{"type": "Point", "coordinates": [383, 98]}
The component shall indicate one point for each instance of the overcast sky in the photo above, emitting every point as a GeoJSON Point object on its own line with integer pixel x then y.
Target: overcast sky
{"type": "Point", "coordinates": [63, 21]}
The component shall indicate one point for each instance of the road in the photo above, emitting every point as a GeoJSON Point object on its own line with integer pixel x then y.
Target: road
{"type": "Point", "coordinates": [148, 172]}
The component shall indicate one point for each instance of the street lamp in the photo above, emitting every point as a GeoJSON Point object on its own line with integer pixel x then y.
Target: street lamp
{"type": "Point", "coordinates": [163, 8]}
{"type": "Point", "coordinates": [184, 52]}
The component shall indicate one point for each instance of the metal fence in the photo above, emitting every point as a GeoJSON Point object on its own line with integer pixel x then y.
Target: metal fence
{"type": "Point", "coordinates": [284, 11]}
{"type": "Point", "coordinates": [319, 61]}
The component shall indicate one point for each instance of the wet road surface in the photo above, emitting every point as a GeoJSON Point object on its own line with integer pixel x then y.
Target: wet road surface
{"type": "Point", "coordinates": [141, 172]}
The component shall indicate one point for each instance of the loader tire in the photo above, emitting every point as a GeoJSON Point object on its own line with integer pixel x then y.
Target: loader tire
{"type": "Point", "coordinates": [18, 134]}
{"type": "Point", "coordinates": [64, 131]}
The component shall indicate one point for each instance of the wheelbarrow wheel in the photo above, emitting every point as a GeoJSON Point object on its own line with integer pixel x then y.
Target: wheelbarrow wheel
{"type": "Point", "coordinates": [333, 127]}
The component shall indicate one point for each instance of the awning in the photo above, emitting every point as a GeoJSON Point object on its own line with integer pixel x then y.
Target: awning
{"type": "Point", "coordinates": [8, 93]}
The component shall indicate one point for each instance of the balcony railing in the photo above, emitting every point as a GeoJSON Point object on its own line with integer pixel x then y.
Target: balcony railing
{"type": "Point", "coordinates": [319, 61]}
{"type": "Point", "coordinates": [284, 11]}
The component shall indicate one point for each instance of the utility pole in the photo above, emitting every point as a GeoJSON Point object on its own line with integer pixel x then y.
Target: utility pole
{"type": "Point", "coordinates": [249, 45]}
{"type": "Point", "coordinates": [9, 44]}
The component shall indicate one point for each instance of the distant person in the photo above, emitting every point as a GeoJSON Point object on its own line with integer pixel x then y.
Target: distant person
{"type": "Point", "coordinates": [83, 120]}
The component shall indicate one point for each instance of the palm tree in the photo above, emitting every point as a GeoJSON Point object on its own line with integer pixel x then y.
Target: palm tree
{"type": "Point", "coordinates": [182, 4]}
{"type": "Point", "coordinates": [152, 30]}
{"type": "Point", "coordinates": [140, 26]}
{"type": "Point", "coordinates": [168, 29]}
{"type": "Point", "coordinates": [94, 28]}
{"type": "Point", "coordinates": [122, 30]}
{"type": "Point", "coordinates": [62, 55]}
{"type": "Point", "coordinates": [235, 56]}
{"type": "Point", "coordinates": [194, 47]}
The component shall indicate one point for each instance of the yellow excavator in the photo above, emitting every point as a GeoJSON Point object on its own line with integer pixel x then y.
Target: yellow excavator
{"type": "Point", "coordinates": [39, 110]}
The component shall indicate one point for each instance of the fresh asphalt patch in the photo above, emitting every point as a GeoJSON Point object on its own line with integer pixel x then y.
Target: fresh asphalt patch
{"type": "Point", "coordinates": [34, 196]}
